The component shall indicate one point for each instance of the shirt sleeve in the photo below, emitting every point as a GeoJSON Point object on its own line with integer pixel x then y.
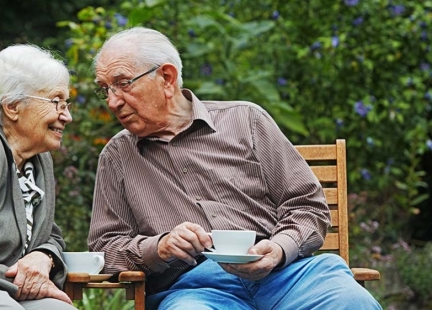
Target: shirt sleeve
{"type": "Point", "coordinates": [303, 215]}
{"type": "Point", "coordinates": [113, 228]}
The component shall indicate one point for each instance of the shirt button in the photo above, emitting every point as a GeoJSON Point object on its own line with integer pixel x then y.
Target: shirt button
{"type": "Point", "coordinates": [213, 215]}
{"type": "Point", "coordinates": [198, 197]}
{"type": "Point", "coordinates": [184, 170]}
{"type": "Point", "coordinates": [174, 143]}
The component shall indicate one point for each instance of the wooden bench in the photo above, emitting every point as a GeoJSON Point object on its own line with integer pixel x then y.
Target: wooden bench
{"type": "Point", "coordinates": [328, 162]}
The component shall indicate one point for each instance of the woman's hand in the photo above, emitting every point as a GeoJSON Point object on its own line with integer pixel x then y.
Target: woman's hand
{"type": "Point", "coordinates": [31, 275]}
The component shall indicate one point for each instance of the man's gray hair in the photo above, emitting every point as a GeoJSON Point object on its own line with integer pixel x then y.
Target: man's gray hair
{"type": "Point", "coordinates": [27, 69]}
{"type": "Point", "coordinates": [148, 46]}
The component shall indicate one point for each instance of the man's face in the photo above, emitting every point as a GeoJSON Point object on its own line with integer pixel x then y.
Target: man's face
{"type": "Point", "coordinates": [141, 107]}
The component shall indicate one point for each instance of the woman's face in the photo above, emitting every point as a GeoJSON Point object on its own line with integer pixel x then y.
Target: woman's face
{"type": "Point", "coordinates": [39, 127]}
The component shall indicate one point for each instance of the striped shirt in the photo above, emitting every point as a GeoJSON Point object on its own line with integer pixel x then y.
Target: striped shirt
{"type": "Point", "coordinates": [232, 168]}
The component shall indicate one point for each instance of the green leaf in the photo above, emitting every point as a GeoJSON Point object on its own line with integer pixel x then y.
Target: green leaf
{"type": "Point", "coordinates": [209, 88]}
{"type": "Point", "coordinates": [257, 28]}
{"type": "Point", "coordinates": [197, 49]}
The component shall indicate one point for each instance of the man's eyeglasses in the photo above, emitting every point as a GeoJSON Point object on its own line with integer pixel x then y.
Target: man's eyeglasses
{"type": "Point", "coordinates": [61, 104]}
{"type": "Point", "coordinates": [123, 85]}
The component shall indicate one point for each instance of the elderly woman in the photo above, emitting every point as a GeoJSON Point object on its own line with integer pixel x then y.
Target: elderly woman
{"type": "Point", "coordinates": [33, 115]}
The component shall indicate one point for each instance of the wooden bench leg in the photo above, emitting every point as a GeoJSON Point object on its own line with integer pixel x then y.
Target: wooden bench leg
{"type": "Point", "coordinates": [69, 290]}
{"type": "Point", "coordinates": [139, 296]}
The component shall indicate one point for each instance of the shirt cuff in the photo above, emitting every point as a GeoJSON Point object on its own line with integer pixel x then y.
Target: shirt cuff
{"type": "Point", "coordinates": [150, 254]}
{"type": "Point", "coordinates": [289, 247]}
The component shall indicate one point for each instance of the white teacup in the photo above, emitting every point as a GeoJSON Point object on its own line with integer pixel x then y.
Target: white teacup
{"type": "Point", "coordinates": [234, 242]}
{"type": "Point", "coordinates": [88, 262]}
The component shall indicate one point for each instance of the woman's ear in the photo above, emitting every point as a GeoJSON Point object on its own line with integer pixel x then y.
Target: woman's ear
{"type": "Point", "coordinates": [10, 110]}
{"type": "Point", "coordinates": [169, 73]}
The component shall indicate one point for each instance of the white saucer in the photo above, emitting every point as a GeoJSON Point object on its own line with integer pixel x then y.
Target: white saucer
{"type": "Point", "coordinates": [232, 258]}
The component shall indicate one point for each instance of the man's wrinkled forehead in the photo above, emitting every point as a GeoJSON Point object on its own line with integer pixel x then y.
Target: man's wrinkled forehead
{"type": "Point", "coordinates": [114, 64]}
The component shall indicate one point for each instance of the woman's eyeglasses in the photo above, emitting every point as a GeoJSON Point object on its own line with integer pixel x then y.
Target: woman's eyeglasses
{"type": "Point", "coordinates": [61, 104]}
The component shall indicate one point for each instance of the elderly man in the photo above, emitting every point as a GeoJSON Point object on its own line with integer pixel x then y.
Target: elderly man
{"type": "Point", "coordinates": [183, 167]}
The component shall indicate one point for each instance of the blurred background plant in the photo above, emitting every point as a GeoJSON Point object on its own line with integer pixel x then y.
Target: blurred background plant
{"type": "Point", "coordinates": [353, 69]}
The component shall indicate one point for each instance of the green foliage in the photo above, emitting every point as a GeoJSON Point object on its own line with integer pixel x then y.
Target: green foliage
{"type": "Point", "coordinates": [414, 265]}
{"type": "Point", "coordinates": [97, 299]}
{"type": "Point", "coordinates": [323, 69]}
{"type": "Point", "coordinates": [358, 70]}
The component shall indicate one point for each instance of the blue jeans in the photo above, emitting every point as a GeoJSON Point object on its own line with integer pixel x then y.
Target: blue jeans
{"type": "Point", "coordinates": [318, 282]}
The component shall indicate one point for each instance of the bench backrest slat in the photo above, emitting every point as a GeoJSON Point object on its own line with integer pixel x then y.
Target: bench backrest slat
{"type": "Point", "coordinates": [328, 162]}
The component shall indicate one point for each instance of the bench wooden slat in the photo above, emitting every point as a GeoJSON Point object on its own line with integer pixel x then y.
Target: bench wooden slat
{"type": "Point", "coordinates": [334, 218]}
{"type": "Point", "coordinates": [317, 152]}
{"type": "Point", "coordinates": [331, 242]}
{"type": "Point", "coordinates": [331, 196]}
{"type": "Point", "coordinates": [325, 173]}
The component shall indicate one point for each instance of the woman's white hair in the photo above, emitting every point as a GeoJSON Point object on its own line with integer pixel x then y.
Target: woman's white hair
{"type": "Point", "coordinates": [27, 69]}
{"type": "Point", "coordinates": [149, 48]}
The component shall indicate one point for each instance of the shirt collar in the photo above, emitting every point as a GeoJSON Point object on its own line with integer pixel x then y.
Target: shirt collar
{"type": "Point", "coordinates": [199, 111]}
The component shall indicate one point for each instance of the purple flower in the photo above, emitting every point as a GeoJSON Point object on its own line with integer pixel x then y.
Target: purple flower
{"type": "Point", "coordinates": [220, 81]}
{"type": "Point", "coordinates": [351, 2]}
{"type": "Point", "coordinates": [206, 69]}
{"type": "Point", "coordinates": [387, 168]}
{"type": "Point", "coordinates": [358, 21]}
{"type": "Point", "coordinates": [121, 20]}
{"type": "Point", "coordinates": [339, 123]}
{"type": "Point", "coordinates": [361, 109]}
{"type": "Point", "coordinates": [81, 99]}
{"type": "Point", "coordinates": [316, 45]}
{"type": "Point", "coordinates": [275, 15]}
{"type": "Point", "coordinates": [409, 82]}
{"type": "Point", "coordinates": [73, 193]}
{"type": "Point", "coordinates": [376, 249]}
{"type": "Point", "coordinates": [335, 41]}
{"type": "Point", "coordinates": [191, 33]}
{"type": "Point", "coordinates": [282, 81]}
{"type": "Point", "coordinates": [70, 172]}
{"type": "Point", "coordinates": [396, 10]}
{"type": "Point", "coordinates": [68, 42]}
{"type": "Point", "coordinates": [424, 66]}
{"type": "Point", "coordinates": [429, 144]}
{"type": "Point", "coordinates": [365, 174]}
{"type": "Point", "coordinates": [108, 25]}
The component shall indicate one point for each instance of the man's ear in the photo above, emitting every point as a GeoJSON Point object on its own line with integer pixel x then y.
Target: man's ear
{"type": "Point", "coordinates": [169, 73]}
{"type": "Point", "coordinates": [10, 110]}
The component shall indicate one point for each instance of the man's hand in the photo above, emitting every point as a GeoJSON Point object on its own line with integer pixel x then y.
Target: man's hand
{"type": "Point", "coordinates": [259, 269]}
{"type": "Point", "coordinates": [184, 242]}
{"type": "Point", "coordinates": [31, 275]}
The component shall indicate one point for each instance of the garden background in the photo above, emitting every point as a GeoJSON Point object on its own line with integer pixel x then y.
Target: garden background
{"type": "Point", "coordinates": [353, 69]}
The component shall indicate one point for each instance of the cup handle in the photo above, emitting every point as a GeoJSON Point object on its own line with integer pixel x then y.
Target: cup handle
{"type": "Point", "coordinates": [100, 262]}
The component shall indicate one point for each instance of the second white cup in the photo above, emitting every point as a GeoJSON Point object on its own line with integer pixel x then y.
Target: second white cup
{"type": "Point", "coordinates": [233, 242]}
{"type": "Point", "coordinates": [88, 262]}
